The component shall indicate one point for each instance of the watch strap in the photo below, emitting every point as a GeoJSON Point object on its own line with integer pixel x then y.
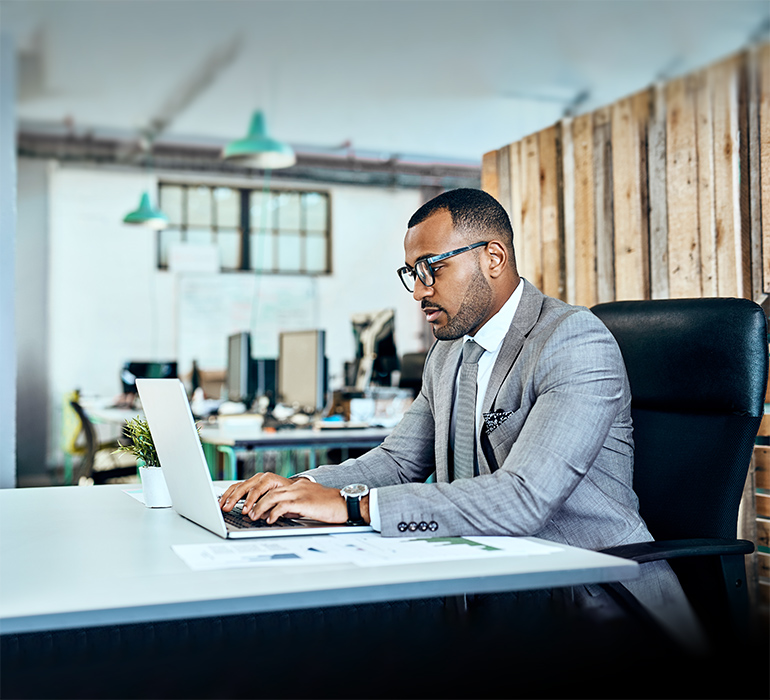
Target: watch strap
{"type": "Point", "coordinates": [354, 510]}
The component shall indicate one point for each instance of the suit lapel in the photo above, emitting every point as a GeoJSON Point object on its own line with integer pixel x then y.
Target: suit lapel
{"type": "Point", "coordinates": [523, 321]}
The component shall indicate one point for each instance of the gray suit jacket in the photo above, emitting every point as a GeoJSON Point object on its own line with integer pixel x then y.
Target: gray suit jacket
{"type": "Point", "coordinates": [555, 452]}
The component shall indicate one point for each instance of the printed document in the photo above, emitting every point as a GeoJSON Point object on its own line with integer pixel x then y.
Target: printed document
{"type": "Point", "coordinates": [361, 549]}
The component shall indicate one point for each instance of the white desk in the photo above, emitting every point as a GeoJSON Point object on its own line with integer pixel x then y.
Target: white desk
{"type": "Point", "coordinates": [93, 556]}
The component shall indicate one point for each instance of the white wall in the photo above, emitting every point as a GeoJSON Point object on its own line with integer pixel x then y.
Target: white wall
{"type": "Point", "coordinates": [108, 303]}
{"type": "Point", "coordinates": [368, 246]}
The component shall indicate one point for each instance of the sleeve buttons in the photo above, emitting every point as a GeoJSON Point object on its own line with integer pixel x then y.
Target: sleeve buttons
{"type": "Point", "coordinates": [422, 526]}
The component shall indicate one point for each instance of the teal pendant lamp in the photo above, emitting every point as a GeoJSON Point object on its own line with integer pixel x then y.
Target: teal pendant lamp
{"type": "Point", "coordinates": [258, 150]}
{"type": "Point", "coordinates": [147, 214]}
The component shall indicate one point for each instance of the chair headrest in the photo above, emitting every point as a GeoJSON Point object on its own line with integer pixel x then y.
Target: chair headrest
{"type": "Point", "coordinates": [692, 355]}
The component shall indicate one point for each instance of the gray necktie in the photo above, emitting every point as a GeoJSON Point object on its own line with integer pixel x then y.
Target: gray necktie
{"type": "Point", "coordinates": [465, 420]}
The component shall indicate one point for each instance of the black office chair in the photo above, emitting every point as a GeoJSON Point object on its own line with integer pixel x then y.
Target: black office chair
{"type": "Point", "coordinates": [698, 373]}
{"type": "Point", "coordinates": [92, 446]}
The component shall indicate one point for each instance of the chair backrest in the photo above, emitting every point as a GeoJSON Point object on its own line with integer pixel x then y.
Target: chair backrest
{"type": "Point", "coordinates": [89, 432]}
{"type": "Point", "coordinates": [698, 374]}
{"type": "Point", "coordinates": [72, 426]}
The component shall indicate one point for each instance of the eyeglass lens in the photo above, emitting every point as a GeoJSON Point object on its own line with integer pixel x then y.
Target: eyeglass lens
{"type": "Point", "coordinates": [422, 270]}
{"type": "Point", "coordinates": [407, 277]}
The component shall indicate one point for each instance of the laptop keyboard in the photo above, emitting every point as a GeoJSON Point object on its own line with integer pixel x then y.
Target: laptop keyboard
{"type": "Point", "coordinates": [237, 520]}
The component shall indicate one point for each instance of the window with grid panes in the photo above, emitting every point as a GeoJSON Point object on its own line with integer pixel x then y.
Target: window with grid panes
{"type": "Point", "coordinates": [278, 231]}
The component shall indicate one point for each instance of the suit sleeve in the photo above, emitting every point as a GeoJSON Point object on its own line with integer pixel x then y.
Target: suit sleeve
{"type": "Point", "coordinates": [574, 394]}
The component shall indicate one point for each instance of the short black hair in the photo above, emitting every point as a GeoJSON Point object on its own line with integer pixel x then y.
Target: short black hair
{"type": "Point", "coordinates": [473, 211]}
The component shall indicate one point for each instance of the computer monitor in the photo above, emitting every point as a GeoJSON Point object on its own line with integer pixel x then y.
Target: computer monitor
{"type": "Point", "coordinates": [376, 357]}
{"type": "Point", "coordinates": [238, 366]}
{"type": "Point", "coordinates": [412, 365]}
{"type": "Point", "coordinates": [133, 370]}
{"type": "Point", "coordinates": [302, 370]}
{"type": "Point", "coordinates": [248, 377]}
{"type": "Point", "coordinates": [264, 379]}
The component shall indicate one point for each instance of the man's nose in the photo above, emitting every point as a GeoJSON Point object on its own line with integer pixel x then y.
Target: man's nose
{"type": "Point", "coordinates": [420, 290]}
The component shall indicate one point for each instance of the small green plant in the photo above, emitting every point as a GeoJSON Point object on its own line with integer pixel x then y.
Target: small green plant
{"type": "Point", "coordinates": [141, 445]}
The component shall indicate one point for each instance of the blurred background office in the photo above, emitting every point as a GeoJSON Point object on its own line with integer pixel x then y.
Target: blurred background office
{"type": "Point", "coordinates": [380, 106]}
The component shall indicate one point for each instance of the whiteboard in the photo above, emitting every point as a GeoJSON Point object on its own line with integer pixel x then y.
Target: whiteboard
{"type": "Point", "coordinates": [213, 306]}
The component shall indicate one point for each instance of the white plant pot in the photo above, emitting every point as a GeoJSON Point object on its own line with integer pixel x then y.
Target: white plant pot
{"type": "Point", "coordinates": [154, 487]}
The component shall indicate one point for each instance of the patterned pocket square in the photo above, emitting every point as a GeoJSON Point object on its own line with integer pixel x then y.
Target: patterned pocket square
{"type": "Point", "coordinates": [495, 419]}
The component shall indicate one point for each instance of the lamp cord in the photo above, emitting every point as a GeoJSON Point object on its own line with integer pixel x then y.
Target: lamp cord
{"type": "Point", "coordinates": [259, 252]}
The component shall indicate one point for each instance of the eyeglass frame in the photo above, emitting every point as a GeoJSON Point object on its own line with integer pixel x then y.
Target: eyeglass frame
{"type": "Point", "coordinates": [414, 271]}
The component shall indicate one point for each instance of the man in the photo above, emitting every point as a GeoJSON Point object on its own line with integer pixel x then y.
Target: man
{"type": "Point", "coordinates": [552, 451]}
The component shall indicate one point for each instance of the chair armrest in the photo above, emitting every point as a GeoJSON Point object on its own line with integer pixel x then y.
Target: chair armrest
{"type": "Point", "coordinates": [642, 552]}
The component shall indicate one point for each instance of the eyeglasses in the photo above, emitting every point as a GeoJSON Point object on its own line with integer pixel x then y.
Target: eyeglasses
{"type": "Point", "coordinates": [422, 268]}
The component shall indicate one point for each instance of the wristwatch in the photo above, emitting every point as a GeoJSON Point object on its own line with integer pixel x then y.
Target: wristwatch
{"type": "Point", "coordinates": [353, 493]}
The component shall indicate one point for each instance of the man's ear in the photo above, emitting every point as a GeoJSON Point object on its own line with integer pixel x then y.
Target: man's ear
{"type": "Point", "coordinates": [498, 258]}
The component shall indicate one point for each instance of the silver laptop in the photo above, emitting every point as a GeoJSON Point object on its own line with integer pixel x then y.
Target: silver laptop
{"type": "Point", "coordinates": [187, 474]}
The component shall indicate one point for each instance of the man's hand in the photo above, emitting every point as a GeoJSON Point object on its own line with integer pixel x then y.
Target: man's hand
{"type": "Point", "coordinates": [269, 496]}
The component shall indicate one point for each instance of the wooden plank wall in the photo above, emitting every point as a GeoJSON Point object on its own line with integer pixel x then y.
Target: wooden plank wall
{"type": "Point", "coordinates": [663, 194]}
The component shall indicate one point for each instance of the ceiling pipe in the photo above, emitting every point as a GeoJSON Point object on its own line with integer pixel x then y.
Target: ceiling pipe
{"type": "Point", "coordinates": [316, 166]}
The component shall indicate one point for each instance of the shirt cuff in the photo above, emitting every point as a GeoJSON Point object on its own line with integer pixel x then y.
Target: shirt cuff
{"type": "Point", "coordinates": [374, 511]}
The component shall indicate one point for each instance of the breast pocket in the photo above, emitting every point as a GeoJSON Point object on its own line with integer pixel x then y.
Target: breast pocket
{"type": "Point", "coordinates": [497, 443]}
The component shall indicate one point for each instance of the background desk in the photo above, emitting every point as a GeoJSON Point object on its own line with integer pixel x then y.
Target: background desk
{"type": "Point", "coordinates": [100, 411]}
{"type": "Point", "coordinates": [230, 440]}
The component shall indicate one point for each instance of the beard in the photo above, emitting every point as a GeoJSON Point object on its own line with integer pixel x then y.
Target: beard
{"type": "Point", "coordinates": [472, 312]}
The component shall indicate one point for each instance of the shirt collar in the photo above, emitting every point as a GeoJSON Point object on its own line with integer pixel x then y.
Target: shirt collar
{"type": "Point", "coordinates": [490, 336]}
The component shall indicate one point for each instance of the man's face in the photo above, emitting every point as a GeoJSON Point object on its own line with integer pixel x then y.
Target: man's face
{"type": "Point", "coordinates": [460, 300]}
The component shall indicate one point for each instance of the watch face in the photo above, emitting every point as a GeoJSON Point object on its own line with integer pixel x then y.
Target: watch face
{"type": "Point", "coordinates": [356, 490]}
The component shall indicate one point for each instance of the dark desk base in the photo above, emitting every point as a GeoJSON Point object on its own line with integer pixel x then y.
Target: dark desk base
{"type": "Point", "coordinates": [505, 645]}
